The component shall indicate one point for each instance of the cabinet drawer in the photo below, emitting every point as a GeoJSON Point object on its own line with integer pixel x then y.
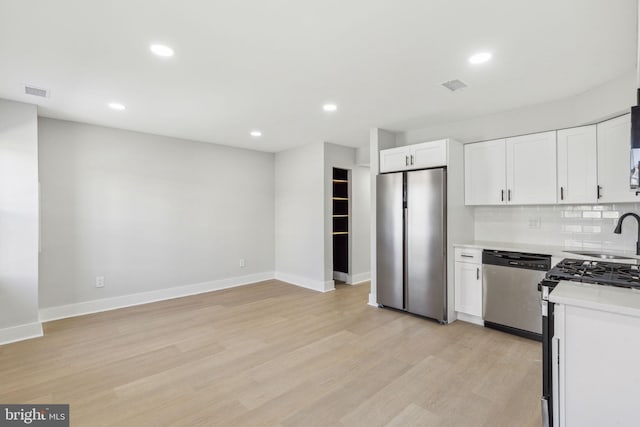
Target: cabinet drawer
{"type": "Point", "coordinates": [468, 255]}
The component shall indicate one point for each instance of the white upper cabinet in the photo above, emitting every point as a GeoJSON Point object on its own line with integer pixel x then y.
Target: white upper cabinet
{"type": "Point", "coordinates": [485, 173]}
{"type": "Point", "coordinates": [520, 170]}
{"type": "Point", "coordinates": [614, 161]}
{"type": "Point", "coordinates": [429, 154]}
{"type": "Point", "coordinates": [531, 169]}
{"type": "Point", "coordinates": [587, 164]}
{"type": "Point", "coordinates": [577, 165]}
{"type": "Point", "coordinates": [394, 159]}
{"type": "Point", "coordinates": [417, 156]}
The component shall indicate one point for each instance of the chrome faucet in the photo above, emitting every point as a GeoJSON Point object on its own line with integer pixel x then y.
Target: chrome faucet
{"type": "Point", "coordinates": [618, 229]}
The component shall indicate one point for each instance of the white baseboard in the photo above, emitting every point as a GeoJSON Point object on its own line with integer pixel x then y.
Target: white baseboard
{"type": "Point", "coordinates": [373, 300]}
{"type": "Point", "coordinates": [360, 278]}
{"type": "Point", "coordinates": [303, 282]}
{"type": "Point", "coordinates": [470, 319]}
{"type": "Point", "coordinates": [20, 333]}
{"type": "Point", "coordinates": [343, 277]}
{"type": "Point", "coordinates": [352, 279]}
{"type": "Point", "coordinates": [105, 304]}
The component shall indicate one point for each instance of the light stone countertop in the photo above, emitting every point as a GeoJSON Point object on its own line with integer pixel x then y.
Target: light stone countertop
{"type": "Point", "coordinates": [554, 251]}
{"type": "Point", "coordinates": [597, 297]}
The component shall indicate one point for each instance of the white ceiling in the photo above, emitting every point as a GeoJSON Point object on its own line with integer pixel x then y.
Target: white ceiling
{"type": "Point", "coordinates": [270, 65]}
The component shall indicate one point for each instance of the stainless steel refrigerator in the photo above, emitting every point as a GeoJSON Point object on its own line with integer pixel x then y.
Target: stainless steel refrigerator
{"type": "Point", "coordinates": [411, 242]}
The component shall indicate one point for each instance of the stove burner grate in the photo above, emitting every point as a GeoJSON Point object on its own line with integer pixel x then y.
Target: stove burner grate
{"type": "Point", "coordinates": [605, 273]}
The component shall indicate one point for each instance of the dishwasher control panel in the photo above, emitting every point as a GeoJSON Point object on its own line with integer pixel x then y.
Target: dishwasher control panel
{"type": "Point", "coordinates": [517, 259]}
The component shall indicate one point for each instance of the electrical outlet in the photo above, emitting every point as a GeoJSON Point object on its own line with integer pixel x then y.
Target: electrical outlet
{"type": "Point", "coordinates": [535, 223]}
{"type": "Point", "coordinates": [242, 263]}
{"type": "Point", "coordinates": [99, 281]}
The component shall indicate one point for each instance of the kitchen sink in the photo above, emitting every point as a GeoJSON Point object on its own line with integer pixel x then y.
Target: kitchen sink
{"type": "Point", "coordinates": [601, 255]}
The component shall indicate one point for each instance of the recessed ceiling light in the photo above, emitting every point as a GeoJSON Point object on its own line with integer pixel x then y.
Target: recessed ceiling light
{"type": "Point", "coordinates": [330, 107]}
{"type": "Point", "coordinates": [255, 133]}
{"type": "Point", "coordinates": [161, 50]}
{"type": "Point", "coordinates": [480, 57]}
{"type": "Point", "coordinates": [117, 106]}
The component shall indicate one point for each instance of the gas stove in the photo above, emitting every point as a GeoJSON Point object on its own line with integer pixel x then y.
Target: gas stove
{"type": "Point", "coordinates": [574, 270]}
{"type": "Point", "coordinates": [598, 272]}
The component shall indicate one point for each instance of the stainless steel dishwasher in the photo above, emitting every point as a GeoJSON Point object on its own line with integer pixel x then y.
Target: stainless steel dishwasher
{"type": "Point", "coordinates": [510, 296]}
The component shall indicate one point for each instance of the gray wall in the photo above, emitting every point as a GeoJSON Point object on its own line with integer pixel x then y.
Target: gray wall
{"type": "Point", "coordinates": [18, 218]}
{"type": "Point", "coordinates": [147, 212]}
{"type": "Point", "coordinates": [299, 222]}
{"type": "Point", "coordinates": [304, 245]}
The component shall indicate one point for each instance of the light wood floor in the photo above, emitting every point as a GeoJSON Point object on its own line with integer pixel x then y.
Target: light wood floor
{"type": "Point", "coordinates": [275, 354]}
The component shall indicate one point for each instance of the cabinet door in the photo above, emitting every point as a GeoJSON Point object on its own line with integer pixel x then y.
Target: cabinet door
{"type": "Point", "coordinates": [428, 155]}
{"type": "Point", "coordinates": [598, 367]}
{"type": "Point", "coordinates": [577, 165]}
{"type": "Point", "coordinates": [484, 167]}
{"type": "Point", "coordinates": [614, 161]}
{"type": "Point", "coordinates": [394, 159]}
{"type": "Point", "coordinates": [468, 288]}
{"type": "Point", "coordinates": [531, 169]}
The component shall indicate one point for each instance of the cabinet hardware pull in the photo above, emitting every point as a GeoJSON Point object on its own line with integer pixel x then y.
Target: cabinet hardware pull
{"type": "Point", "coordinates": [478, 273]}
{"type": "Point", "coordinates": [466, 256]}
{"type": "Point", "coordinates": [406, 160]}
{"type": "Point", "coordinates": [412, 160]}
{"type": "Point", "coordinates": [599, 191]}
{"type": "Point", "coordinates": [509, 195]}
{"type": "Point", "coordinates": [561, 193]}
{"type": "Point", "coordinates": [502, 195]}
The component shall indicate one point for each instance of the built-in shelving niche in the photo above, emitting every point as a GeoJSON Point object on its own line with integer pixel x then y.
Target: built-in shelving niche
{"type": "Point", "coordinates": [341, 193]}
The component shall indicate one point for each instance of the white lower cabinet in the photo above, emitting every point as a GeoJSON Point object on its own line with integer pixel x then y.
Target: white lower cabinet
{"type": "Point", "coordinates": [596, 378]}
{"type": "Point", "coordinates": [468, 284]}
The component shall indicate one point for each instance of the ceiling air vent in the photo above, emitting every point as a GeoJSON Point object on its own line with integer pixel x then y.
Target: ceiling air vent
{"type": "Point", "coordinates": [36, 91]}
{"type": "Point", "coordinates": [454, 85]}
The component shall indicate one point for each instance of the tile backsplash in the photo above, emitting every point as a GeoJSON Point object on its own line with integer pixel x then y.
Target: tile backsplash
{"type": "Point", "coordinates": [575, 226]}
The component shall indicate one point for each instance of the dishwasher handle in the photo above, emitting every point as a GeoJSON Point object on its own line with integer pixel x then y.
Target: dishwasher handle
{"type": "Point", "coordinates": [524, 260]}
